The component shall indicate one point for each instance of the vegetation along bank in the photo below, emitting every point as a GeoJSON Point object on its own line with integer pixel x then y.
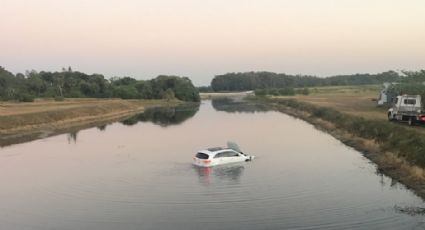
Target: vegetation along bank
{"type": "Point", "coordinates": [44, 103]}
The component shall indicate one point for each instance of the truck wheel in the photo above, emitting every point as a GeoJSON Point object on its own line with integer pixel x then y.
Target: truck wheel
{"type": "Point", "coordinates": [390, 117]}
{"type": "Point", "coordinates": [411, 121]}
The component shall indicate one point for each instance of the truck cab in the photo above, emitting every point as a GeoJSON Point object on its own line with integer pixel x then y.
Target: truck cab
{"type": "Point", "coordinates": [407, 108]}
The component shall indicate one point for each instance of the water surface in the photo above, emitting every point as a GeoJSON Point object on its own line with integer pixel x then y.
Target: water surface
{"type": "Point", "coordinates": [137, 174]}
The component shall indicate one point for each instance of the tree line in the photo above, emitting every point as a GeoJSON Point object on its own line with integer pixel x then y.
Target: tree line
{"type": "Point", "coordinates": [281, 91]}
{"type": "Point", "coordinates": [412, 83]}
{"type": "Point", "coordinates": [265, 80]}
{"type": "Point", "coordinates": [73, 84]}
{"type": "Point", "coordinates": [408, 88]}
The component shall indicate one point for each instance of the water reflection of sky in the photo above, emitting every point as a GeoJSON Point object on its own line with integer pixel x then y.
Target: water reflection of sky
{"type": "Point", "coordinates": [175, 115]}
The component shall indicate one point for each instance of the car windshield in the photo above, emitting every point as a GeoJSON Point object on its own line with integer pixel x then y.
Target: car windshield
{"type": "Point", "coordinates": [202, 156]}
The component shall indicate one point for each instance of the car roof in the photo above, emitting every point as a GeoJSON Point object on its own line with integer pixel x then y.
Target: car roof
{"type": "Point", "coordinates": [216, 150]}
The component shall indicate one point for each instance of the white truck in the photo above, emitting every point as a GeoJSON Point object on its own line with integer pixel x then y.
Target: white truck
{"type": "Point", "coordinates": [407, 108]}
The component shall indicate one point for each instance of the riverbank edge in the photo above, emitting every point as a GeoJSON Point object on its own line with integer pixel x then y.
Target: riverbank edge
{"type": "Point", "coordinates": [387, 163]}
{"type": "Point", "coordinates": [55, 122]}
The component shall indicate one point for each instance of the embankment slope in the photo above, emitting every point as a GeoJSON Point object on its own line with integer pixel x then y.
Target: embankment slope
{"type": "Point", "coordinates": [27, 121]}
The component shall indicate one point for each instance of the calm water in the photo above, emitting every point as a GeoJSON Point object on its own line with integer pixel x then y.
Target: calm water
{"type": "Point", "coordinates": [137, 174]}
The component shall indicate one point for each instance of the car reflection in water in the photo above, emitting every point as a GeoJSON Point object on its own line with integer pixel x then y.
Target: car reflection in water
{"type": "Point", "coordinates": [230, 173]}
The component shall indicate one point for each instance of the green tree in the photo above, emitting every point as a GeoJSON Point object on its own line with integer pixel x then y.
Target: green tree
{"type": "Point", "coordinates": [168, 94]}
{"type": "Point", "coordinates": [144, 89]}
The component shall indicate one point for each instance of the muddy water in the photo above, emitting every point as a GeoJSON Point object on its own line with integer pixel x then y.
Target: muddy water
{"type": "Point", "coordinates": [137, 174]}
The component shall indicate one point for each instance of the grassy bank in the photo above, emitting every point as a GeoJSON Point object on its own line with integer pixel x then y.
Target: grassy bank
{"type": "Point", "coordinates": [398, 151]}
{"type": "Point", "coordinates": [359, 101]}
{"type": "Point", "coordinates": [27, 121]}
{"type": "Point", "coordinates": [354, 100]}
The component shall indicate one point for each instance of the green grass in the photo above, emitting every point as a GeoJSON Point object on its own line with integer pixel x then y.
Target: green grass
{"type": "Point", "coordinates": [350, 90]}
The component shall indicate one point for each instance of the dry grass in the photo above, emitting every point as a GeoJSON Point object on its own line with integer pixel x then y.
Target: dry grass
{"type": "Point", "coordinates": [46, 105]}
{"type": "Point", "coordinates": [27, 118]}
{"type": "Point", "coordinates": [355, 100]}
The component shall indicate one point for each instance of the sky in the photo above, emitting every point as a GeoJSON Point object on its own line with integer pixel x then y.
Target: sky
{"type": "Point", "coordinates": [203, 38]}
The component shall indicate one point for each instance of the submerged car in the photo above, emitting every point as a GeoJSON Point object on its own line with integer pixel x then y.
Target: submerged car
{"type": "Point", "coordinates": [218, 156]}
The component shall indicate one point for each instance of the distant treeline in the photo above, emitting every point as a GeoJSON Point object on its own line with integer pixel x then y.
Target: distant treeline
{"type": "Point", "coordinates": [281, 92]}
{"type": "Point", "coordinates": [413, 83]}
{"type": "Point", "coordinates": [264, 80]}
{"type": "Point", "coordinates": [74, 84]}
{"type": "Point", "coordinates": [408, 88]}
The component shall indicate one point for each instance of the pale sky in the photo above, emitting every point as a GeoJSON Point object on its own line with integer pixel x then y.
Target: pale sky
{"type": "Point", "coordinates": [203, 38]}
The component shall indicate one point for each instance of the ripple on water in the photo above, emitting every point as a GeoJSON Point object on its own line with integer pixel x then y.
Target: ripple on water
{"type": "Point", "coordinates": [143, 186]}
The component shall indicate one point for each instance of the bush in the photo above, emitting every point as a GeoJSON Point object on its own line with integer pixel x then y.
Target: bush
{"type": "Point", "coordinates": [287, 91]}
{"type": "Point", "coordinates": [305, 91]}
{"type": "Point", "coordinates": [59, 98]}
{"type": "Point", "coordinates": [25, 98]}
{"type": "Point", "coordinates": [168, 94]}
{"type": "Point", "coordinates": [181, 86]}
{"type": "Point", "coordinates": [125, 92]}
{"type": "Point", "coordinates": [260, 92]}
{"type": "Point", "coordinates": [408, 88]}
{"type": "Point", "coordinates": [274, 92]}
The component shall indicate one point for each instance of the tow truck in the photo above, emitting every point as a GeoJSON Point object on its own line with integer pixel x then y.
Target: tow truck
{"type": "Point", "coordinates": [407, 108]}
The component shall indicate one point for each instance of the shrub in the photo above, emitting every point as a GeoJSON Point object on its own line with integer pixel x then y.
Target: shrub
{"type": "Point", "coordinates": [287, 91]}
{"type": "Point", "coordinates": [59, 98]}
{"type": "Point", "coordinates": [260, 92]}
{"type": "Point", "coordinates": [25, 98]}
{"type": "Point", "coordinates": [168, 94]}
{"type": "Point", "coordinates": [305, 91]}
{"type": "Point", "coordinates": [274, 92]}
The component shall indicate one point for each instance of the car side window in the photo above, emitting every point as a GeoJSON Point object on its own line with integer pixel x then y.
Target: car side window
{"type": "Point", "coordinates": [202, 156]}
{"type": "Point", "coordinates": [409, 101]}
{"type": "Point", "coordinates": [226, 154]}
{"type": "Point", "coordinates": [219, 155]}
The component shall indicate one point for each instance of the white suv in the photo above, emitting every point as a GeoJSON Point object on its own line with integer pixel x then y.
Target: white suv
{"type": "Point", "coordinates": [218, 156]}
